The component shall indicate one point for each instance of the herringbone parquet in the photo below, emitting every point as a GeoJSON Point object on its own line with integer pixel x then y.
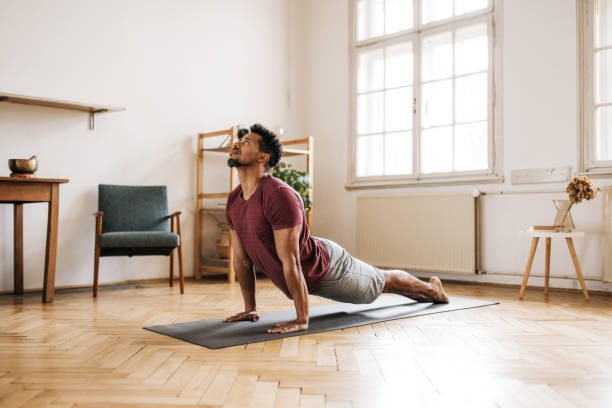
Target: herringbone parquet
{"type": "Point", "coordinates": [79, 352]}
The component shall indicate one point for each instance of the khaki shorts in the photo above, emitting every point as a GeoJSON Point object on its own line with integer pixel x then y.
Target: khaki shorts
{"type": "Point", "coordinates": [349, 280]}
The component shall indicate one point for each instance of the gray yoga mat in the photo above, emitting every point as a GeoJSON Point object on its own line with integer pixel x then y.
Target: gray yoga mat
{"type": "Point", "coordinates": [214, 333]}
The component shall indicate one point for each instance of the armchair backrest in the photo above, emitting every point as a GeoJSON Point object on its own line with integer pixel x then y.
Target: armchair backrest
{"type": "Point", "coordinates": [133, 208]}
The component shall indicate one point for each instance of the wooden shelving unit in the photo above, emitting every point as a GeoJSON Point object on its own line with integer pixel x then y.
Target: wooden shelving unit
{"type": "Point", "coordinates": [90, 108]}
{"type": "Point", "coordinates": [217, 265]}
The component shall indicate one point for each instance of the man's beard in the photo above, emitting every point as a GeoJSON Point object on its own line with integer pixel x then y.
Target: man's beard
{"type": "Point", "coordinates": [233, 163]}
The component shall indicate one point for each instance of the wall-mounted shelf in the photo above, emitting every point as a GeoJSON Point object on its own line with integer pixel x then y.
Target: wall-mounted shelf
{"type": "Point", "coordinates": [90, 108]}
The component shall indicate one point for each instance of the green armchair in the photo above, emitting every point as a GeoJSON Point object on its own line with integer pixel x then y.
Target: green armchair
{"type": "Point", "coordinates": [134, 220]}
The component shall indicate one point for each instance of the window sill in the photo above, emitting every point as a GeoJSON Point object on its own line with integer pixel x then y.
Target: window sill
{"type": "Point", "coordinates": [597, 172]}
{"type": "Point", "coordinates": [429, 181]}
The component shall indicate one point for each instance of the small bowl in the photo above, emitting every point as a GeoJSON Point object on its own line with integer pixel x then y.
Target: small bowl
{"type": "Point", "coordinates": [23, 166]}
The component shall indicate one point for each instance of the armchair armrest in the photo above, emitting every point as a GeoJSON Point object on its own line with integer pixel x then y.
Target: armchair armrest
{"type": "Point", "coordinates": [175, 216]}
{"type": "Point", "coordinates": [98, 215]}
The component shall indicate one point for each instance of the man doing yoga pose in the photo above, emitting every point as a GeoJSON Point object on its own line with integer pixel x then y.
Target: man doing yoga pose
{"type": "Point", "coordinates": [269, 233]}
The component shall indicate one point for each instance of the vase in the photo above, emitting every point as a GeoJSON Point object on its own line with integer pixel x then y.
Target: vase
{"type": "Point", "coordinates": [223, 244]}
{"type": "Point", "coordinates": [563, 218]}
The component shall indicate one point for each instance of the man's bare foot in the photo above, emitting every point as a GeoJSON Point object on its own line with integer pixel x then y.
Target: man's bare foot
{"type": "Point", "coordinates": [440, 296]}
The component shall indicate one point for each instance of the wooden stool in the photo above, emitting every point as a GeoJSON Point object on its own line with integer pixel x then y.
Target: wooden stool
{"type": "Point", "coordinates": [536, 235]}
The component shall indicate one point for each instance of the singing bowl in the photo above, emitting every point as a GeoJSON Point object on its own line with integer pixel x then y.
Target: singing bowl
{"type": "Point", "coordinates": [21, 166]}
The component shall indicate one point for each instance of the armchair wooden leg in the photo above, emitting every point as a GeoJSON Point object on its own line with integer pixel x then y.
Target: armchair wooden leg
{"type": "Point", "coordinates": [99, 215]}
{"type": "Point", "coordinates": [180, 261]}
{"type": "Point", "coordinates": [180, 254]}
{"type": "Point", "coordinates": [171, 268]}
{"type": "Point", "coordinates": [171, 255]}
{"type": "Point", "coordinates": [96, 268]}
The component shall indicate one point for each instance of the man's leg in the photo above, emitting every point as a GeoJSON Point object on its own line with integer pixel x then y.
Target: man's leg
{"type": "Point", "coordinates": [351, 280]}
{"type": "Point", "coordinates": [403, 283]}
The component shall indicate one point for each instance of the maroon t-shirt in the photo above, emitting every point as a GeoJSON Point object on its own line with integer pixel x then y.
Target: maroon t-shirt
{"type": "Point", "coordinates": [275, 206]}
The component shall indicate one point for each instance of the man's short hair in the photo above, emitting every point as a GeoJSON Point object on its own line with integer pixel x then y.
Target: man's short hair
{"type": "Point", "coordinates": [269, 144]}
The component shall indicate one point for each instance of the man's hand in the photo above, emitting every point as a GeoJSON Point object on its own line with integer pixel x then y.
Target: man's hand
{"type": "Point", "coordinates": [243, 316]}
{"type": "Point", "coordinates": [288, 327]}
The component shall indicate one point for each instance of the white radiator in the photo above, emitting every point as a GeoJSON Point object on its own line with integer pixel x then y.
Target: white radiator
{"type": "Point", "coordinates": [607, 233]}
{"type": "Point", "coordinates": [432, 232]}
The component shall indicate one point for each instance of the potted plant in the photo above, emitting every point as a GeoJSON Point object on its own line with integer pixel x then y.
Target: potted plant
{"type": "Point", "coordinates": [580, 188]}
{"type": "Point", "coordinates": [298, 180]}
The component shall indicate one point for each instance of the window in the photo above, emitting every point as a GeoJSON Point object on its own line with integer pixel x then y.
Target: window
{"type": "Point", "coordinates": [596, 22]}
{"type": "Point", "coordinates": [424, 90]}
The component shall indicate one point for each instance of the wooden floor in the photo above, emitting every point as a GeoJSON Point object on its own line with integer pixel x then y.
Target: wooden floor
{"type": "Point", "coordinates": [553, 351]}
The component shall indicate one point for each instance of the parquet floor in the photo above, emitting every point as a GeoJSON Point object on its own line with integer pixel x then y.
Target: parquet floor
{"type": "Point", "coordinates": [553, 351]}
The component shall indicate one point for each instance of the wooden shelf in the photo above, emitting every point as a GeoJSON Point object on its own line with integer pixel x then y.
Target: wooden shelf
{"type": "Point", "coordinates": [286, 152]}
{"type": "Point", "coordinates": [212, 210]}
{"type": "Point", "coordinates": [213, 195]}
{"type": "Point", "coordinates": [90, 108]}
{"type": "Point", "coordinates": [214, 265]}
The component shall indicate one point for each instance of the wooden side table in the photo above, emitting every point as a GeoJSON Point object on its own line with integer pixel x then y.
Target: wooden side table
{"type": "Point", "coordinates": [536, 235]}
{"type": "Point", "coordinates": [17, 191]}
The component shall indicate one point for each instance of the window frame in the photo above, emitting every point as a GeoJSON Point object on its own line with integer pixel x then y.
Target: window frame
{"type": "Point", "coordinates": [490, 15]}
{"type": "Point", "coordinates": [588, 164]}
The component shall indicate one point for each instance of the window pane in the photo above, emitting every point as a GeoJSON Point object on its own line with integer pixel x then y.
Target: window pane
{"type": "Point", "coordinates": [398, 109]}
{"type": "Point", "coordinates": [467, 6]}
{"type": "Point", "coordinates": [454, 57]}
{"type": "Point", "coordinates": [603, 20]}
{"type": "Point", "coordinates": [370, 65]}
{"type": "Point", "coordinates": [471, 149]}
{"type": "Point", "coordinates": [471, 49]}
{"type": "Point", "coordinates": [398, 153]}
{"type": "Point", "coordinates": [370, 113]}
{"type": "Point", "coordinates": [603, 132]}
{"type": "Point", "coordinates": [398, 15]}
{"type": "Point", "coordinates": [471, 98]}
{"type": "Point", "coordinates": [433, 10]}
{"type": "Point", "coordinates": [370, 18]}
{"type": "Point", "coordinates": [437, 56]}
{"type": "Point", "coordinates": [603, 76]}
{"type": "Point", "coordinates": [398, 65]}
{"type": "Point", "coordinates": [437, 150]}
{"type": "Point", "coordinates": [369, 155]}
{"type": "Point", "coordinates": [437, 103]}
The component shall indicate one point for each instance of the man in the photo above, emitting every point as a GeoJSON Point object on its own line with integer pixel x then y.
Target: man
{"type": "Point", "coordinates": [268, 231]}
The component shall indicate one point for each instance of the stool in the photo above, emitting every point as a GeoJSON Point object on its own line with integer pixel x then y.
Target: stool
{"type": "Point", "coordinates": [536, 235]}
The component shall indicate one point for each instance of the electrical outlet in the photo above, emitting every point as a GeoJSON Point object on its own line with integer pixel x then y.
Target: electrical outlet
{"type": "Point", "coordinates": [547, 175]}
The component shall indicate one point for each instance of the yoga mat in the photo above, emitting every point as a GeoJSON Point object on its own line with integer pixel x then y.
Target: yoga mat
{"type": "Point", "coordinates": [214, 333]}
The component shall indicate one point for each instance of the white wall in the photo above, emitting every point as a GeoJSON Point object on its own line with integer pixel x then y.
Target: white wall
{"type": "Point", "coordinates": [540, 129]}
{"type": "Point", "coordinates": [179, 67]}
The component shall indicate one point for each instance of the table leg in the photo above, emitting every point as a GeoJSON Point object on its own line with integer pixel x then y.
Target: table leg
{"type": "Point", "coordinates": [18, 248]}
{"type": "Point", "coordinates": [570, 245]}
{"type": "Point", "coordinates": [51, 252]}
{"type": "Point", "coordinates": [534, 245]}
{"type": "Point", "coordinates": [547, 265]}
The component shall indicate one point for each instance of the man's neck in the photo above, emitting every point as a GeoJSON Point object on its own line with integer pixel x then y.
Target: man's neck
{"type": "Point", "coordinates": [249, 179]}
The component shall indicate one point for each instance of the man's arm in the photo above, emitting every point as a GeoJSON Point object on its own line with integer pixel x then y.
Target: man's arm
{"type": "Point", "coordinates": [287, 242]}
{"type": "Point", "coordinates": [243, 266]}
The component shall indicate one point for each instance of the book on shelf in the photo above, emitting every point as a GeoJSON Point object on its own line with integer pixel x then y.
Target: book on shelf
{"type": "Point", "coordinates": [550, 228]}
{"type": "Point", "coordinates": [541, 228]}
